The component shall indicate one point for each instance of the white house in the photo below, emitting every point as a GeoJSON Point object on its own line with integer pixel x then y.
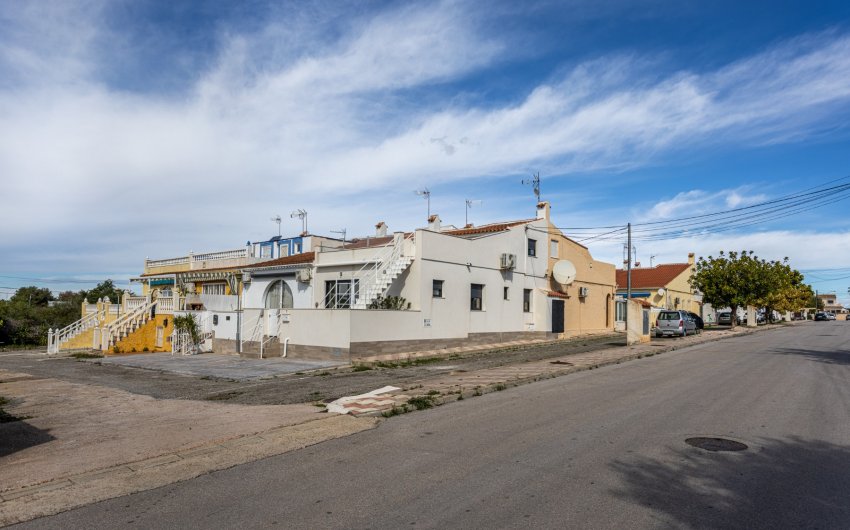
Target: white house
{"type": "Point", "coordinates": [483, 284]}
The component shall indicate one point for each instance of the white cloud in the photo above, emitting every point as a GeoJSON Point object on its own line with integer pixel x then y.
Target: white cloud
{"type": "Point", "coordinates": [289, 117]}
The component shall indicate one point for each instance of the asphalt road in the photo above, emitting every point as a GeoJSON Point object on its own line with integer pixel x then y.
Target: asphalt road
{"type": "Point", "coordinates": [598, 449]}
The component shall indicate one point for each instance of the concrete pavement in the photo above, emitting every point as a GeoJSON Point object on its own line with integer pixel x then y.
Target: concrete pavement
{"type": "Point", "coordinates": [599, 449]}
{"type": "Point", "coordinates": [94, 443]}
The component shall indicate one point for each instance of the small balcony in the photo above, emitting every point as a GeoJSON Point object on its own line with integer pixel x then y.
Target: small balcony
{"type": "Point", "coordinates": [208, 260]}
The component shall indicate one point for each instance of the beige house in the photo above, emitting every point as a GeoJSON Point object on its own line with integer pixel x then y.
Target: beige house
{"type": "Point", "coordinates": [663, 286]}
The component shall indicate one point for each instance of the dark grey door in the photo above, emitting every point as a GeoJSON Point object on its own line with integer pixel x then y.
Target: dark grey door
{"type": "Point", "coordinates": [557, 316]}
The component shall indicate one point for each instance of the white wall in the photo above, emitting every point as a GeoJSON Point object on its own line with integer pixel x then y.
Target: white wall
{"type": "Point", "coordinates": [254, 293]}
{"type": "Point", "coordinates": [318, 327]}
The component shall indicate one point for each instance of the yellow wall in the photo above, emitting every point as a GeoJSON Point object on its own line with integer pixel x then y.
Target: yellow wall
{"type": "Point", "coordinates": [145, 336]}
{"type": "Point", "coordinates": [595, 312]}
{"type": "Point", "coordinates": [677, 288]}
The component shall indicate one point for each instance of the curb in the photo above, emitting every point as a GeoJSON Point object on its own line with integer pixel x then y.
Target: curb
{"type": "Point", "coordinates": [401, 402]}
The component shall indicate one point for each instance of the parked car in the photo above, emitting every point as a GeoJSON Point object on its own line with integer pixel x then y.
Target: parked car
{"type": "Point", "coordinates": [672, 323]}
{"type": "Point", "coordinates": [820, 315]}
{"type": "Point", "coordinates": [697, 320]}
{"type": "Point", "coordinates": [830, 316]}
{"type": "Point", "coordinates": [724, 319]}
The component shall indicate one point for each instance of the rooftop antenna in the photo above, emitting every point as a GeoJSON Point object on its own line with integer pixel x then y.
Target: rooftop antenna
{"type": "Point", "coordinates": [301, 214]}
{"type": "Point", "coordinates": [277, 220]}
{"type": "Point", "coordinates": [535, 182]}
{"type": "Point", "coordinates": [469, 204]}
{"type": "Point", "coordinates": [425, 192]}
{"type": "Point", "coordinates": [340, 231]}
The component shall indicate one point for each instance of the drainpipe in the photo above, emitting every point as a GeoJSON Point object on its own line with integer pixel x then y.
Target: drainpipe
{"type": "Point", "coordinates": [285, 344]}
{"type": "Point", "coordinates": [239, 321]}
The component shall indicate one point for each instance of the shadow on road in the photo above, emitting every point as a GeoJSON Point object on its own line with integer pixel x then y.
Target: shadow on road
{"type": "Point", "coordinates": [19, 435]}
{"type": "Point", "coordinates": [830, 357]}
{"type": "Point", "coordinates": [789, 483]}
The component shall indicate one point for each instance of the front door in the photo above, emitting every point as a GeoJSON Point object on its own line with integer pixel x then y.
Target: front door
{"type": "Point", "coordinates": [557, 316]}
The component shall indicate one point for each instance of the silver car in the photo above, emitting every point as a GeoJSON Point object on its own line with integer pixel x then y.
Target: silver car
{"type": "Point", "coordinates": [674, 323]}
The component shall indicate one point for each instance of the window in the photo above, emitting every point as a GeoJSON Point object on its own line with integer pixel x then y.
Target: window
{"type": "Point", "coordinates": [532, 247]}
{"type": "Point", "coordinates": [620, 311]}
{"type": "Point", "coordinates": [553, 248]}
{"type": "Point", "coordinates": [526, 300]}
{"type": "Point", "coordinates": [283, 250]}
{"type": "Point", "coordinates": [505, 294]}
{"type": "Point", "coordinates": [476, 297]}
{"type": "Point", "coordinates": [340, 294]}
{"type": "Point", "coordinates": [279, 296]}
{"type": "Point", "coordinates": [265, 251]}
{"type": "Point", "coordinates": [212, 288]}
{"type": "Point", "coordinates": [438, 288]}
{"type": "Point", "coordinates": [159, 336]}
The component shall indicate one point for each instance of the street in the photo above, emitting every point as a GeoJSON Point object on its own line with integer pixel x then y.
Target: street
{"type": "Point", "coordinates": [603, 448]}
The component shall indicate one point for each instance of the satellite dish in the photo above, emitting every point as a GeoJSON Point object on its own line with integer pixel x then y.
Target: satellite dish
{"type": "Point", "coordinates": [564, 272]}
{"type": "Point", "coordinates": [661, 292]}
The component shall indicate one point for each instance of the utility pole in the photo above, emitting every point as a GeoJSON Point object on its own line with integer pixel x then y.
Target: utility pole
{"type": "Point", "coordinates": [628, 280]}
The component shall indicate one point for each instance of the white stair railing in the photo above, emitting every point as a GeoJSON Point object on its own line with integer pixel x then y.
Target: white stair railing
{"type": "Point", "coordinates": [56, 338]}
{"type": "Point", "coordinates": [375, 280]}
{"type": "Point", "coordinates": [129, 322]}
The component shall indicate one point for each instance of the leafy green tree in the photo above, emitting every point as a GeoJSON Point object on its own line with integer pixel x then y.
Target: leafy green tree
{"type": "Point", "coordinates": [727, 280]}
{"type": "Point", "coordinates": [105, 289]}
{"type": "Point", "coordinates": [37, 296]}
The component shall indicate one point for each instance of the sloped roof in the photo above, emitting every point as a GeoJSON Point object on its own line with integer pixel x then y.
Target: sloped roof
{"type": "Point", "coordinates": [486, 229]}
{"type": "Point", "coordinates": [295, 259]}
{"type": "Point", "coordinates": [655, 277]}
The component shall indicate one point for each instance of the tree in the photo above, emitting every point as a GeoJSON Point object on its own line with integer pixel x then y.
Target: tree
{"type": "Point", "coordinates": [736, 280]}
{"type": "Point", "coordinates": [726, 281]}
{"type": "Point", "coordinates": [105, 289]}
{"type": "Point", "coordinates": [32, 296]}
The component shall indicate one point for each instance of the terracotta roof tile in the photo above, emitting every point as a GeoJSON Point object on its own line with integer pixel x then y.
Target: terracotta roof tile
{"type": "Point", "coordinates": [557, 294]}
{"type": "Point", "coordinates": [295, 259]}
{"type": "Point", "coordinates": [658, 276]}
{"type": "Point", "coordinates": [486, 229]}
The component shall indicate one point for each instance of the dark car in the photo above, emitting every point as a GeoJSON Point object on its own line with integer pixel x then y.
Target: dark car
{"type": "Point", "coordinates": [697, 319]}
{"type": "Point", "coordinates": [820, 315]}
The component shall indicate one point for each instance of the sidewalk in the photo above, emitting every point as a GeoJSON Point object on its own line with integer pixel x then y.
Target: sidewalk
{"type": "Point", "coordinates": [79, 444]}
{"type": "Point", "coordinates": [461, 385]}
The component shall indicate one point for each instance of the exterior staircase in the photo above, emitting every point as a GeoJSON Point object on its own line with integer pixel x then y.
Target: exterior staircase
{"type": "Point", "coordinates": [106, 337]}
{"type": "Point", "coordinates": [62, 338]}
{"type": "Point", "coordinates": [375, 280]}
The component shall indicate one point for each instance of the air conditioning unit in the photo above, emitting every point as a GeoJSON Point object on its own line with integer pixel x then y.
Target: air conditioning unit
{"type": "Point", "coordinates": [582, 291]}
{"type": "Point", "coordinates": [507, 261]}
{"type": "Point", "coordinates": [304, 275]}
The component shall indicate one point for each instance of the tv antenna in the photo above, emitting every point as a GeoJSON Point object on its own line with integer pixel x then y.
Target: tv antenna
{"type": "Point", "coordinates": [277, 220]}
{"type": "Point", "coordinates": [425, 192]}
{"type": "Point", "coordinates": [340, 231]}
{"type": "Point", "coordinates": [301, 214]}
{"type": "Point", "coordinates": [469, 204]}
{"type": "Point", "coordinates": [535, 182]}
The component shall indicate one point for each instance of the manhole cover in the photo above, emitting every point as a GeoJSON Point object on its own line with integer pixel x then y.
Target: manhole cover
{"type": "Point", "coordinates": [716, 444]}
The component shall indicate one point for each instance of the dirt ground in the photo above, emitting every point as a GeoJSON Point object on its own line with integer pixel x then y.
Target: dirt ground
{"type": "Point", "coordinates": [322, 385]}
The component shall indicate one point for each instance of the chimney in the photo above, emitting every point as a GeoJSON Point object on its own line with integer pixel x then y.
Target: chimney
{"type": "Point", "coordinates": [381, 229]}
{"type": "Point", "coordinates": [434, 223]}
{"type": "Point", "coordinates": [543, 210]}
{"type": "Point", "coordinates": [690, 258]}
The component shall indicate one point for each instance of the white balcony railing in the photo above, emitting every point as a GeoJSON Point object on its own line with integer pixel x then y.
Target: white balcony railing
{"type": "Point", "coordinates": [192, 259]}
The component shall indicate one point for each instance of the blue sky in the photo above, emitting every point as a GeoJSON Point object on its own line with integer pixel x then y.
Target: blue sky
{"type": "Point", "coordinates": [132, 129]}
